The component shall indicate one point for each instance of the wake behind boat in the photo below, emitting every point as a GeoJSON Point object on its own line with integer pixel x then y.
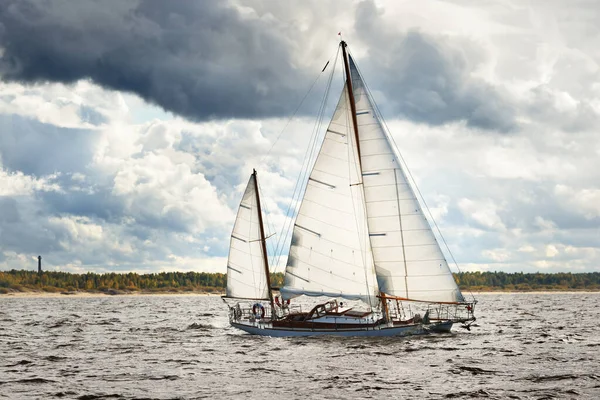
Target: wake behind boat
{"type": "Point", "coordinates": [360, 235]}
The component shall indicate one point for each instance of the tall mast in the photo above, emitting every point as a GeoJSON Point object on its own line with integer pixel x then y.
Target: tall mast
{"type": "Point", "coordinates": [262, 239]}
{"type": "Point", "coordinates": [355, 125]}
{"type": "Point", "coordinates": [352, 102]}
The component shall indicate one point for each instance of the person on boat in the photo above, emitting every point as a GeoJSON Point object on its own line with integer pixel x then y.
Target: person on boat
{"type": "Point", "coordinates": [281, 302]}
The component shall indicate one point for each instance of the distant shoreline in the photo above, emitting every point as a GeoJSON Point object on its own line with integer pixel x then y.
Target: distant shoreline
{"type": "Point", "coordinates": [41, 294]}
{"type": "Point", "coordinates": [104, 294]}
{"type": "Point", "coordinates": [203, 283]}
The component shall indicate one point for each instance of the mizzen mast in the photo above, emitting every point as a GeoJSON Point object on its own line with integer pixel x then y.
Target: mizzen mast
{"type": "Point", "coordinates": [263, 240]}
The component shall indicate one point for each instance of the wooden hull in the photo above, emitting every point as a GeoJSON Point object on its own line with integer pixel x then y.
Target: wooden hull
{"type": "Point", "coordinates": [266, 329]}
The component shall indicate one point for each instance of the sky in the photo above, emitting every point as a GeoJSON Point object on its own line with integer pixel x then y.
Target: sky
{"type": "Point", "coordinates": [128, 132]}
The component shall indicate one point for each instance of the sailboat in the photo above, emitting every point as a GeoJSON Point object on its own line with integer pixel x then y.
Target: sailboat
{"type": "Point", "coordinates": [360, 242]}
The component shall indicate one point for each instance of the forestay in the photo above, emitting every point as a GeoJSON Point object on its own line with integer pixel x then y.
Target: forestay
{"type": "Point", "coordinates": [408, 260]}
{"type": "Point", "coordinates": [246, 264]}
{"type": "Point", "coordinates": [330, 253]}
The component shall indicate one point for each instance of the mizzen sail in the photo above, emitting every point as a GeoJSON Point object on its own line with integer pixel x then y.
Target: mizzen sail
{"type": "Point", "coordinates": [246, 276]}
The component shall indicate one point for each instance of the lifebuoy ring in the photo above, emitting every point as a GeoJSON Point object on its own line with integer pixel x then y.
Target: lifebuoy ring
{"type": "Point", "coordinates": [258, 310]}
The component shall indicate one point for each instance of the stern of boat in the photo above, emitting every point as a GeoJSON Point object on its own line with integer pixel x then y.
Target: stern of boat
{"type": "Point", "coordinates": [258, 312]}
{"type": "Point", "coordinates": [436, 317]}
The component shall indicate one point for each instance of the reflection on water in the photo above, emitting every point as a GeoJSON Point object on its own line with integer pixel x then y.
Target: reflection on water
{"type": "Point", "coordinates": [181, 347]}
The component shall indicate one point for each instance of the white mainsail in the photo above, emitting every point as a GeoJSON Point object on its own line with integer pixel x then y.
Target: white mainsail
{"type": "Point", "coordinates": [408, 259]}
{"type": "Point", "coordinates": [246, 264]}
{"type": "Point", "coordinates": [330, 253]}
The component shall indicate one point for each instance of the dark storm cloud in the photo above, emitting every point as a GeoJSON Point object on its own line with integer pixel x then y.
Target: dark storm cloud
{"type": "Point", "coordinates": [197, 59]}
{"type": "Point", "coordinates": [206, 60]}
{"type": "Point", "coordinates": [429, 79]}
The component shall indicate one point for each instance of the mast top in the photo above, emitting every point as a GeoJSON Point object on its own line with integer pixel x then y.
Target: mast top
{"type": "Point", "coordinates": [352, 101]}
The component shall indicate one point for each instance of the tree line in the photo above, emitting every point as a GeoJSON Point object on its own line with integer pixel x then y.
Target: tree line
{"type": "Point", "coordinates": [52, 281]}
{"type": "Point", "coordinates": [480, 281]}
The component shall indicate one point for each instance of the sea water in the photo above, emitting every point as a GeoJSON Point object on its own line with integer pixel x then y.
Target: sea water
{"type": "Point", "coordinates": [523, 346]}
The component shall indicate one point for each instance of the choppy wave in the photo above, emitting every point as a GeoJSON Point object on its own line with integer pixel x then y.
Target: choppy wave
{"type": "Point", "coordinates": [526, 346]}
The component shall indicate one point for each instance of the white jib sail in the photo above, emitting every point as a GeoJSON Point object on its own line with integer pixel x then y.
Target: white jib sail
{"type": "Point", "coordinates": [408, 259]}
{"type": "Point", "coordinates": [246, 264]}
{"type": "Point", "coordinates": [330, 253]}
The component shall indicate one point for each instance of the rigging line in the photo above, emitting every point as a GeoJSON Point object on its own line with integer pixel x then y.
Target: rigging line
{"type": "Point", "coordinates": [298, 190]}
{"type": "Point", "coordinates": [317, 129]}
{"type": "Point", "coordinates": [274, 254]}
{"type": "Point", "coordinates": [293, 200]}
{"type": "Point", "coordinates": [304, 169]}
{"type": "Point", "coordinates": [295, 112]}
{"type": "Point", "coordinates": [380, 115]}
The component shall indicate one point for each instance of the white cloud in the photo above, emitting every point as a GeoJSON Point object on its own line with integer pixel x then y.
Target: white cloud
{"type": "Point", "coordinates": [19, 184]}
{"type": "Point", "coordinates": [498, 255]}
{"type": "Point", "coordinates": [155, 192]}
{"type": "Point", "coordinates": [551, 251]}
{"type": "Point", "coordinates": [484, 213]}
{"type": "Point", "coordinates": [526, 249]}
{"type": "Point", "coordinates": [580, 201]}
